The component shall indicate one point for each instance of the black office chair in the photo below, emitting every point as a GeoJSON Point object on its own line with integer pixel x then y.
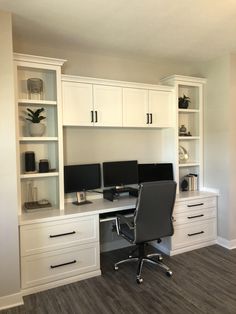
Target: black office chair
{"type": "Point", "coordinates": [152, 221]}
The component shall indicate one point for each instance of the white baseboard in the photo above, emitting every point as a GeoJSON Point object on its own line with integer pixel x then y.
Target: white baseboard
{"type": "Point", "coordinates": [228, 244]}
{"type": "Point", "coordinates": [11, 301]}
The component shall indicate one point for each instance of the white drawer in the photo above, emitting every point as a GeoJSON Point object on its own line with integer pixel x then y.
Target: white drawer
{"type": "Point", "coordinates": [193, 233]}
{"type": "Point", "coordinates": [194, 216]}
{"type": "Point", "coordinates": [48, 236]}
{"type": "Point", "coordinates": [47, 267]}
{"type": "Point", "coordinates": [195, 204]}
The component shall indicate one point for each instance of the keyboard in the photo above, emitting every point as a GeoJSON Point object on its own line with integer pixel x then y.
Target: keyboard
{"type": "Point", "coordinates": [112, 215]}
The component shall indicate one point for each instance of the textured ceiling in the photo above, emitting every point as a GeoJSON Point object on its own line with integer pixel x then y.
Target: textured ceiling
{"type": "Point", "coordinates": [178, 29]}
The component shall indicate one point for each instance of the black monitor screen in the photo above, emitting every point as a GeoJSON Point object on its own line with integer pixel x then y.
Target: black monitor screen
{"type": "Point", "coordinates": [118, 173]}
{"type": "Point", "coordinates": [82, 177]}
{"type": "Point", "coordinates": [155, 172]}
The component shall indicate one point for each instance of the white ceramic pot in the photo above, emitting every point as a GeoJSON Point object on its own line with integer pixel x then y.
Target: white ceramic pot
{"type": "Point", "coordinates": [36, 129]}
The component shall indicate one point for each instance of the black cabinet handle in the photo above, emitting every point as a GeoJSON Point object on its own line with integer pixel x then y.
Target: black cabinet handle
{"type": "Point", "coordinates": [150, 118]}
{"type": "Point", "coordinates": [96, 116]}
{"type": "Point", "coordinates": [199, 204]}
{"type": "Point", "coordinates": [61, 234]}
{"type": "Point", "coordinates": [197, 216]}
{"type": "Point", "coordinates": [196, 233]}
{"type": "Point", "coordinates": [64, 264]}
{"type": "Point", "coordinates": [147, 118]}
{"type": "Point", "coordinates": [91, 115]}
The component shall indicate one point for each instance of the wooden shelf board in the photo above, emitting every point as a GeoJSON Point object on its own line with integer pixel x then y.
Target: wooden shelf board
{"type": "Point", "coordinates": [29, 102]}
{"type": "Point", "coordinates": [38, 139]}
{"type": "Point", "coordinates": [39, 175]}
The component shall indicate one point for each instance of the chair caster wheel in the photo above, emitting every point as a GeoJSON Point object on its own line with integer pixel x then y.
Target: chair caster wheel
{"type": "Point", "coordinates": [160, 258]}
{"type": "Point", "coordinates": [116, 267]}
{"type": "Point", "coordinates": [139, 280]}
{"type": "Point", "coordinates": [169, 273]}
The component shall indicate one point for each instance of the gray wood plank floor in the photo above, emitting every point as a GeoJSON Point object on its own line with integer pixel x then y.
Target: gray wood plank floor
{"type": "Point", "coordinates": [204, 281]}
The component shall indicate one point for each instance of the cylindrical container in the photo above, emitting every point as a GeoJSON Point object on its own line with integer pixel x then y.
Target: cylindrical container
{"type": "Point", "coordinates": [43, 165]}
{"type": "Point", "coordinates": [29, 162]}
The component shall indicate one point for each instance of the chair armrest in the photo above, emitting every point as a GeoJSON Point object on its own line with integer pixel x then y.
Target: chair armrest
{"type": "Point", "coordinates": [124, 220]}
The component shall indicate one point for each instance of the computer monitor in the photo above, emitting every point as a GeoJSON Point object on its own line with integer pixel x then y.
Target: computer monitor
{"type": "Point", "coordinates": [81, 178]}
{"type": "Point", "coordinates": [155, 172]}
{"type": "Point", "coordinates": [120, 173]}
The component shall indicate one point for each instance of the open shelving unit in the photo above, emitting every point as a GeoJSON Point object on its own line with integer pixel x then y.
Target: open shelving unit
{"type": "Point", "coordinates": [192, 119]}
{"type": "Point", "coordinates": [49, 185]}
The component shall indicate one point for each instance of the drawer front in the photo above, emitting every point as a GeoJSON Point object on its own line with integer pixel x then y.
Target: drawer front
{"type": "Point", "coordinates": [194, 233]}
{"type": "Point", "coordinates": [194, 216]}
{"type": "Point", "coordinates": [43, 237]}
{"type": "Point", "coordinates": [47, 267]}
{"type": "Point", "coordinates": [196, 204]}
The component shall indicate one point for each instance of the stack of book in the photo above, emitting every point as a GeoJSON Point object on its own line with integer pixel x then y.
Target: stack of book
{"type": "Point", "coordinates": [192, 180]}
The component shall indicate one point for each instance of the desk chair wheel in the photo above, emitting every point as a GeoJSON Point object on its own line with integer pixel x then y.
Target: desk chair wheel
{"type": "Point", "coordinates": [169, 273]}
{"type": "Point", "coordinates": [116, 267]}
{"type": "Point", "coordinates": [139, 279]}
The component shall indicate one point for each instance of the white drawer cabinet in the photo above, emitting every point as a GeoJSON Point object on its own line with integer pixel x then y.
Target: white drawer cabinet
{"type": "Point", "coordinates": [194, 220]}
{"type": "Point", "coordinates": [43, 237]}
{"type": "Point", "coordinates": [57, 252]}
{"type": "Point", "coordinates": [43, 268]}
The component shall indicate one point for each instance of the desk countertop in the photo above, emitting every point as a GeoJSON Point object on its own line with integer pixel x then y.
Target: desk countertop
{"type": "Point", "coordinates": [98, 206]}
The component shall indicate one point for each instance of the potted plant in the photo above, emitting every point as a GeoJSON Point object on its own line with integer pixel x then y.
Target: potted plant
{"type": "Point", "coordinates": [36, 128]}
{"type": "Point", "coordinates": [184, 102]}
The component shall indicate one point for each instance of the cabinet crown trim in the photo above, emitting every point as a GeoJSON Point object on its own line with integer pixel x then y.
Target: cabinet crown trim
{"type": "Point", "coordinates": [98, 81]}
{"type": "Point", "coordinates": [38, 59]}
{"type": "Point", "coordinates": [183, 78]}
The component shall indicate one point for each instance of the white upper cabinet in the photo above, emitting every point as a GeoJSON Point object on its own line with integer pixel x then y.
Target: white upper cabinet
{"type": "Point", "coordinates": [104, 103]}
{"type": "Point", "coordinates": [107, 105]}
{"type": "Point", "coordinates": [77, 101]}
{"type": "Point", "coordinates": [147, 108]}
{"type": "Point", "coordinates": [135, 107]}
{"type": "Point", "coordinates": [161, 111]}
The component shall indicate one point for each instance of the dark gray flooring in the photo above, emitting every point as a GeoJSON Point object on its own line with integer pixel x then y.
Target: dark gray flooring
{"type": "Point", "coordinates": [204, 281]}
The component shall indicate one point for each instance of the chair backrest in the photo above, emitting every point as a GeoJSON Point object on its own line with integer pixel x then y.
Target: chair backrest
{"type": "Point", "coordinates": [153, 215]}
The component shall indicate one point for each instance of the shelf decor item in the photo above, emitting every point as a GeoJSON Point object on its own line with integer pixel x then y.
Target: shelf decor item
{"type": "Point", "coordinates": [184, 102]}
{"type": "Point", "coordinates": [35, 88]}
{"type": "Point", "coordinates": [183, 154]}
{"type": "Point", "coordinates": [36, 128]}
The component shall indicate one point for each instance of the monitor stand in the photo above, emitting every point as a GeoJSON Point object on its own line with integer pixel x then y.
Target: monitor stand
{"type": "Point", "coordinates": [81, 199]}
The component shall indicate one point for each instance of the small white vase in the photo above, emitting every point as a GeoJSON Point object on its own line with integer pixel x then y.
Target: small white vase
{"type": "Point", "coordinates": [36, 129]}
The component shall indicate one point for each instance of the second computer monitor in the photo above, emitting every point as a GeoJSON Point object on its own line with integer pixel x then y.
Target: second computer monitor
{"type": "Point", "coordinates": [155, 172]}
{"type": "Point", "coordinates": [120, 173]}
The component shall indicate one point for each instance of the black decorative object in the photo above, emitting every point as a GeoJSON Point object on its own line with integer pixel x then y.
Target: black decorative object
{"type": "Point", "coordinates": [184, 102]}
{"type": "Point", "coordinates": [29, 162]}
{"type": "Point", "coordinates": [43, 165]}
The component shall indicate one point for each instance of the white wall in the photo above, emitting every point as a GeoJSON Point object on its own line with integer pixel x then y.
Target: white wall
{"type": "Point", "coordinates": [220, 139]}
{"type": "Point", "coordinates": [105, 66]}
{"type": "Point", "coordinates": [9, 252]}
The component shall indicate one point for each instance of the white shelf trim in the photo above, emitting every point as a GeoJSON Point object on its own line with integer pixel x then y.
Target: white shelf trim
{"type": "Point", "coordinates": [188, 110]}
{"type": "Point", "coordinates": [37, 102]}
{"type": "Point", "coordinates": [189, 164]}
{"type": "Point", "coordinates": [189, 138]}
{"type": "Point", "coordinates": [39, 175]}
{"type": "Point", "coordinates": [38, 139]}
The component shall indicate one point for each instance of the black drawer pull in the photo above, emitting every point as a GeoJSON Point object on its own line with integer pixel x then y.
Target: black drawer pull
{"type": "Point", "coordinates": [196, 233]}
{"type": "Point", "coordinates": [61, 234]}
{"type": "Point", "coordinates": [96, 116]}
{"type": "Point", "coordinates": [91, 115]}
{"type": "Point", "coordinates": [197, 216]}
{"type": "Point", "coordinates": [64, 264]}
{"type": "Point", "coordinates": [147, 118]}
{"type": "Point", "coordinates": [199, 204]}
{"type": "Point", "coordinates": [150, 118]}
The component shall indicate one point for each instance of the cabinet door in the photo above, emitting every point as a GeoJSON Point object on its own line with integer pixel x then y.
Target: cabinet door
{"type": "Point", "coordinates": [77, 103]}
{"type": "Point", "coordinates": [107, 105]}
{"type": "Point", "coordinates": [161, 109]}
{"type": "Point", "coordinates": [135, 107]}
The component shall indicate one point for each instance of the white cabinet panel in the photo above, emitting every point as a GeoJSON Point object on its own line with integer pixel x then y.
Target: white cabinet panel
{"type": "Point", "coordinates": [107, 105]}
{"type": "Point", "coordinates": [161, 109]}
{"type": "Point", "coordinates": [135, 107]}
{"type": "Point", "coordinates": [77, 103]}
{"type": "Point", "coordinates": [40, 269]}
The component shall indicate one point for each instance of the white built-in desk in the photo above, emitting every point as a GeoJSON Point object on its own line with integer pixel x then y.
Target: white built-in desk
{"type": "Point", "coordinates": [63, 246]}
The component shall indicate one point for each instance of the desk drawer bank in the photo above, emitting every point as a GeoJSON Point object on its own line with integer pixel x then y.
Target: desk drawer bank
{"type": "Point", "coordinates": [194, 223]}
{"type": "Point", "coordinates": [59, 252]}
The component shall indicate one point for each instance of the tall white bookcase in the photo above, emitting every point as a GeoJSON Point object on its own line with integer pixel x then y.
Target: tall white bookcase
{"type": "Point", "coordinates": [49, 185]}
{"type": "Point", "coordinates": [192, 119]}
